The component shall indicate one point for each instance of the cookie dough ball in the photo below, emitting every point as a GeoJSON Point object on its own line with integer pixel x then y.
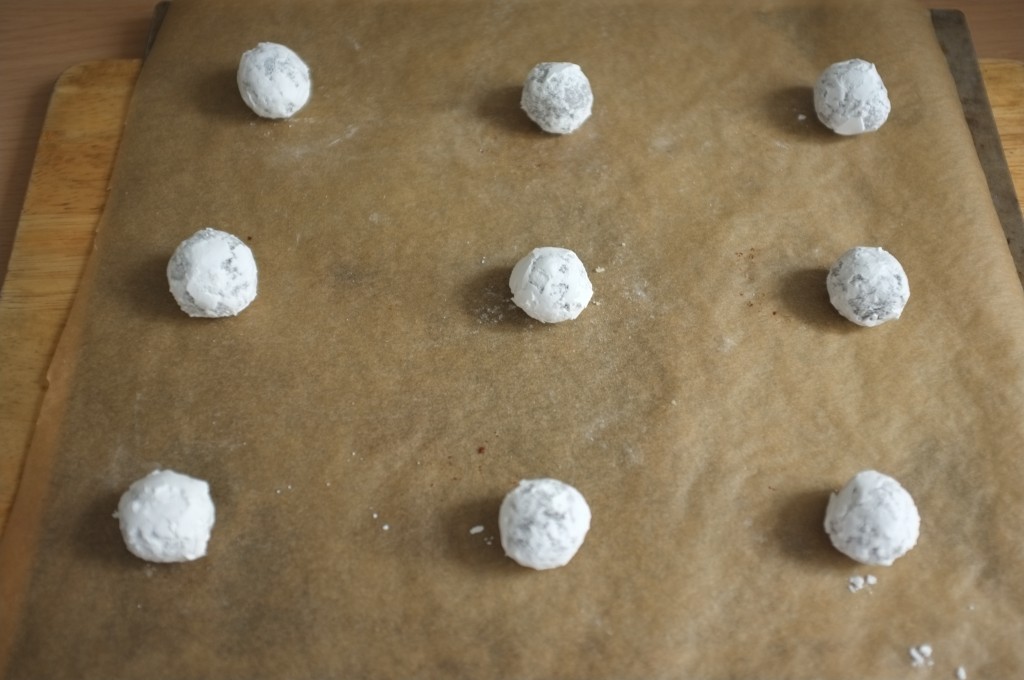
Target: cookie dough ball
{"type": "Point", "coordinates": [166, 517]}
{"type": "Point", "coordinates": [551, 285]}
{"type": "Point", "coordinates": [557, 97]}
{"type": "Point", "coordinates": [543, 523]}
{"type": "Point", "coordinates": [850, 98]}
{"type": "Point", "coordinates": [868, 286]}
{"type": "Point", "coordinates": [872, 519]}
{"type": "Point", "coordinates": [273, 80]}
{"type": "Point", "coordinates": [212, 274]}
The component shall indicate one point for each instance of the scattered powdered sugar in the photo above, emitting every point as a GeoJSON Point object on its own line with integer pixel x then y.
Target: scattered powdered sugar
{"type": "Point", "coordinates": [961, 673]}
{"type": "Point", "coordinates": [859, 582]}
{"type": "Point", "coordinates": [921, 655]}
{"type": "Point", "coordinates": [478, 529]}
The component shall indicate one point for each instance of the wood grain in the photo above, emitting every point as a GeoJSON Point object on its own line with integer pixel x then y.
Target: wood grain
{"type": "Point", "coordinates": [66, 195]}
{"type": "Point", "coordinates": [1004, 80]}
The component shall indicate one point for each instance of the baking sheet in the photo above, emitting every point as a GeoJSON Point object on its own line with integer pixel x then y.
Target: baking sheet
{"type": "Point", "coordinates": [955, 40]}
{"type": "Point", "coordinates": [706, 403]}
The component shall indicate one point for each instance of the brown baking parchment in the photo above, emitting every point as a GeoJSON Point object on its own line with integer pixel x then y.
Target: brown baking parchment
{"type": "Point", "coordinates": [382, 394]}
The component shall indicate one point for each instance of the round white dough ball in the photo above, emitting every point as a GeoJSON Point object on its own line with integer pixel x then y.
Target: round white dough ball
{"type": "Point", "coordinates": [551, 284]}
{"type": "Point", "coordinates": [543, 523]}
{"type": "Point", "coordinates": [557, 97]}
{"type": "Point", "coordinates": [872, 519]}
{"type": "Point", "coordinates": [166, 517]}
{"type": "Point", "coordinates": [850, 98]}
{"type": "Point", "coordinates": [212, 274]}
{"type": "Point", "coordinates": [868, 286]}
{"type": "Point", "coordinates": [273, 80]}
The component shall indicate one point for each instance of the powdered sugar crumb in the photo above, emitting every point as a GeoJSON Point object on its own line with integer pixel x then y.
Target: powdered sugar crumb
{"type": "Point", "coordinates": [860, 582]}
{"type": "Point", "coordinates": [921, 655]}
{"type": "Point", "coordinates": [961, 673]}
{"type": "Point", "coordinates": [478, 529]}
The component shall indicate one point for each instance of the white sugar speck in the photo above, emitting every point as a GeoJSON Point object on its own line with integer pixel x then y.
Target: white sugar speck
{"type": "Point", "coordinates": [386, 527]}
{"type": "Point", "coordinates": [858, 582]}
{"type": "Point", "coordinates": [599, 270]}
{"type": "Point", "coordinates": [961, 673]}
{"type": "Point", "coordinates": [477, 529]}
{"type": "Point", "coordinates": [921, 656]}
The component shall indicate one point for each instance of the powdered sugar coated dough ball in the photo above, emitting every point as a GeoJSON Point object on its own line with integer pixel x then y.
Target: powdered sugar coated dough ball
{"type": "Point", "coordinates": [212, 274]}
{"type": "Point", "coordinates": [557, 97]}
{"type": "Point", "coordinates": [868, 286]}
{"type": "Point", "coordinates": [872, 519]}
{"type": "Point", "coordinates": [850, 98]}
{"type": "Point", "coordinates": [543, 523]}
{"type": "Point", "coordinates": [273, 80]}
{"type": "Point", "coordinates": [166, 517]}
{"type": "Point", "coordinates": [551, 284]}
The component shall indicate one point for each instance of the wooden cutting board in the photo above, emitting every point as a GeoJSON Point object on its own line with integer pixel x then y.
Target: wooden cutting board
{"type": "Point", "coordinates": [66, 195]}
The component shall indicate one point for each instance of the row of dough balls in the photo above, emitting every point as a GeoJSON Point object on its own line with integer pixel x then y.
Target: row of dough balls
{"type": "Point", "coordinates": [275, 83]}
{"type": "Point", "coordinates": [213, 274]}
{"type": "Point", "coordinates": [167, 517]}
{"type": "Point", "coordinates": [849, 96]}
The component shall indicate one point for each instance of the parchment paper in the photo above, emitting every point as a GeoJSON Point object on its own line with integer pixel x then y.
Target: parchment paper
{"type": "Point", "coordinates": [382, 394]}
